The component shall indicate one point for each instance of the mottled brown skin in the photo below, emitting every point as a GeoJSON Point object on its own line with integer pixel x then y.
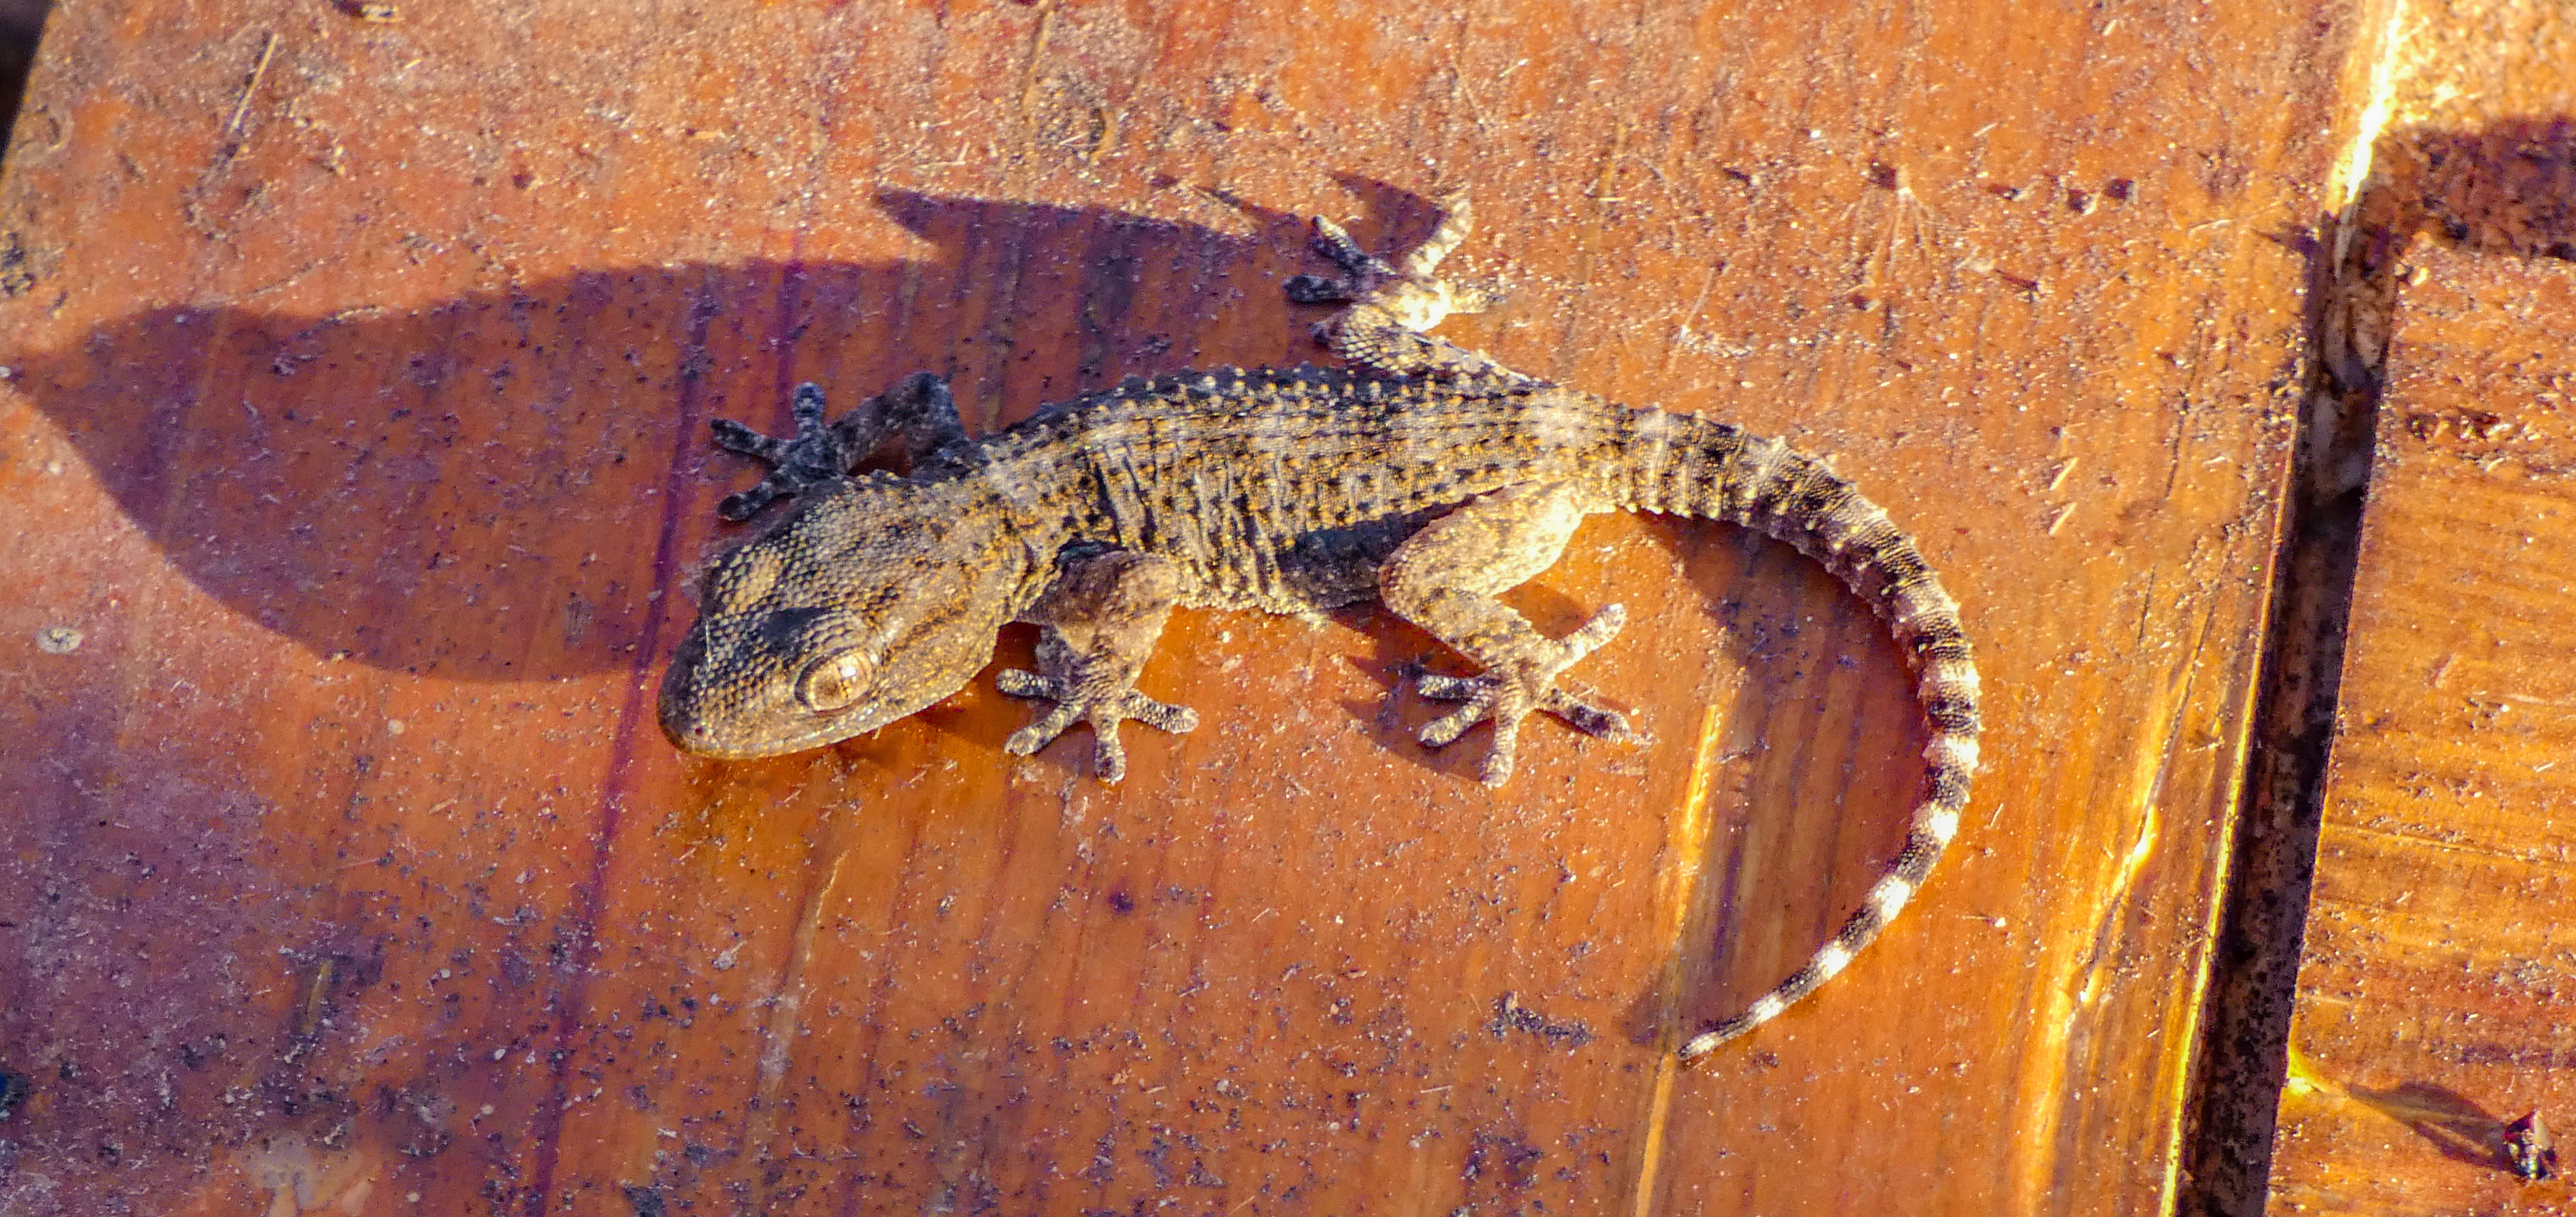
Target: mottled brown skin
{"type": "Point", "coordinates": [1428, 476]}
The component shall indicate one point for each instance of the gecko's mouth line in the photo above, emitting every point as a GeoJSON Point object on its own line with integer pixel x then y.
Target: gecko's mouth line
{"type": "Point", "coordinates": [698, 739]}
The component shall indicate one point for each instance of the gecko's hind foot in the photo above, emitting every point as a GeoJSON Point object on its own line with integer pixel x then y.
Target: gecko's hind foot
{"type": "Point", "coordinates": [1506, 699]}
{"type": "Point", "coordinates": [1406, 287]}
{"type": "Point", "coordinates": [1104, 709]}
{"type": "Point", "coordinates": [1361, 269]}
{"type": "Point", "coordinates": [1394, 301]}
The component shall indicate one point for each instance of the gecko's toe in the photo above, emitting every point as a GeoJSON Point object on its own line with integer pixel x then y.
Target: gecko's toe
{"type": "Point", "coordinates": [1108, 756]}
{"type": "Point", "coordinates": [1603, 627]}
{"type": "Point", "coordinates": [1592, 720]}
{"type": "Point", "coordinates": [1497, 768]}
{"type": "Point", "coordinates": [1450, 688]}
{"type": "Point", "coordinates": [1577, 708]}
{"type": "Point", "coordinates": [1316, 289]}
{"type": "Point", "coordinates": [1128, 705]}
{"type": "Point", "coordinates": [1445, 730]}
{"type": "Point", "coordinates": [1161, 715]}
{"type": "Point", "coordinates": [737, 508]}
{"type": "Point", "coordinates": [1027, 740]}
{"type": "Point", "coordinates": [1334, 242]}
{"type": "Point", "coordinates": [1021, 683]}
{"type": "Point", "coordinates": [737, 438]}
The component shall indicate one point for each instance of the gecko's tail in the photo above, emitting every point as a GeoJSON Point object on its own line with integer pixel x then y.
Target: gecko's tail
{"type": "Point", "coordinates": [1690, 466]}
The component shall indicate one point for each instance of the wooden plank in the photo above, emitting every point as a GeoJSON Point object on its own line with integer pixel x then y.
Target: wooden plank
{"type": "Point", "coordinates": [2433, 996]}
{"type": "Point", "coordinates": [360, 375]}
{"type": "Point", "coordinates": [2422, 1005]}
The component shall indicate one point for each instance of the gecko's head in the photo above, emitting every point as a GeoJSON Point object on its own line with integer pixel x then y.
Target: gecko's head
{"type": "Point", "coordinates": [878, 600]}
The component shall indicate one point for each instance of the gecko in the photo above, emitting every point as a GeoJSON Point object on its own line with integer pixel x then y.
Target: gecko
{"type": "Point", "coordinates": [1422, 474]}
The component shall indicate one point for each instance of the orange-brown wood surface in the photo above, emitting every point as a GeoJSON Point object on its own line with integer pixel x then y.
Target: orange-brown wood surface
{"type": "Point", "coordinates": [354, 447]}
{"type": "Point", "coordinates": [2435, 996]}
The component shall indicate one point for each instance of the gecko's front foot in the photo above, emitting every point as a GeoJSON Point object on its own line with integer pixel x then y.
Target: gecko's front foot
{"type": "Point", "coordinates": [1103, 708]}
{"type": "Point", "coordinates": [918, 409]}
{"type": "Point", "coordinates": [1508, 697]}
{"type": "Point", "coordinates": [812, 455]}
{"type": "Point", "coordinates": [1101, 617]}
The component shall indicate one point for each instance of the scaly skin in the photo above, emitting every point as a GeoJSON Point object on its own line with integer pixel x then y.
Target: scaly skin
{"type": "Point", "coordinates": [1428, 476]}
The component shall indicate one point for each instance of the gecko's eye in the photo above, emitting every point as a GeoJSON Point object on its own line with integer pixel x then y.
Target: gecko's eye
{"type": "Point", "coordinates": [834, 681]}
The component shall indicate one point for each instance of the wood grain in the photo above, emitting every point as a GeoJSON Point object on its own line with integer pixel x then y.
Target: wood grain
{"type": "Point", "coordinates": [2424, 1004]}
{"type": "Point", "coordinates": [360, 379]}
{"type": "Point", "coordinates": [2434, 994]}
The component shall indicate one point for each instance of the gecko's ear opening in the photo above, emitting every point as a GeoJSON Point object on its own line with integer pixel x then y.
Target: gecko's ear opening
{"type": "Point", "coordinates": [835, 680]}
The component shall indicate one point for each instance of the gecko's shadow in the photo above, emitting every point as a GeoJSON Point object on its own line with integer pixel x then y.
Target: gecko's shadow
{"type": "Point", "coordinates": [491, 487]}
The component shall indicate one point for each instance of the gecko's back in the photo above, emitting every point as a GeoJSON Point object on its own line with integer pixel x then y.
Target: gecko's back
{"type": "Point", "coordinates": [1285, 489]}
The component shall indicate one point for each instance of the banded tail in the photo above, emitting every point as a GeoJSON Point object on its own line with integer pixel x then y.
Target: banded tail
{"type": "Point", "coordinates": [1689, 466]}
